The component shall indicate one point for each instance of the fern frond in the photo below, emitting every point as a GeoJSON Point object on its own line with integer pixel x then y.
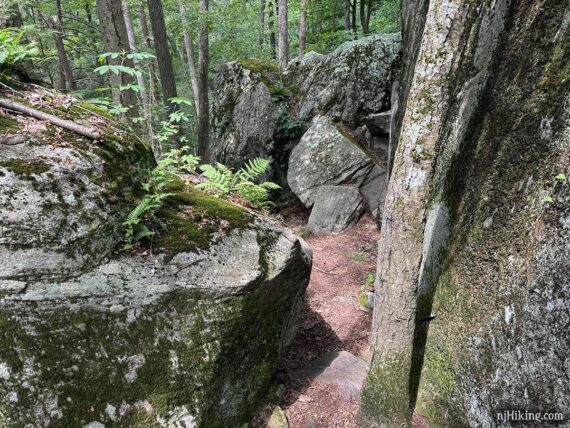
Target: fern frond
{"type": "Point", "coordinates": [270, 185]}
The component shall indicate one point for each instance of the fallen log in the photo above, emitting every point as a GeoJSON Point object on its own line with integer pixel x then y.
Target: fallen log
{"type": "Point", "coordinates": [85, 131]}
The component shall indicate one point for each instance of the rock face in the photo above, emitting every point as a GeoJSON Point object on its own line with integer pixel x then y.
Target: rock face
{"type": "Point", "coordinates": [336, 208]}
{"type": "Point", "coordinates": [61, 207]}
{"type": "Point", "coordinates": [350, 82]}
{"type": "Point", "coordinates": [258, 112]}
{"type": "Point", "coordinates": [328, 156]}
{"type": "Point", "coordinates": [245, 116]}
{"type": "Point", "coordinates": [187, 332]}
{"type": "Point", "coordinates": [474, 274]}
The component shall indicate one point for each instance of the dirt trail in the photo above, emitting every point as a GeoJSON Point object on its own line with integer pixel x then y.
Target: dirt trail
{"type": "Point", "coordinates": [332, 320]}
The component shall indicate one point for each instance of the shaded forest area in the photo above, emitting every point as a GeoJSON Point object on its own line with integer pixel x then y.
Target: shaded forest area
{"type": "Point", "coordinates": [153, 61]}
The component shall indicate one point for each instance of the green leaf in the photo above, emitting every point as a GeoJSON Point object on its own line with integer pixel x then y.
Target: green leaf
{"type": "Point", "coordinates": [560, 177]}
{"type": "Point", "coordinates": [548, 199]}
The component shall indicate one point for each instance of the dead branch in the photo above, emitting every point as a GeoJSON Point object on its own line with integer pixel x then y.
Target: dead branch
{"type": "Point", "coordinates": [62, 123]}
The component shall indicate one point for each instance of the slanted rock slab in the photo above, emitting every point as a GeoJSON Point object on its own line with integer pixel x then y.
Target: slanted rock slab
{"type": "Point", "coordinates": [342, 369]}
{"type": "Point", "coordinates": [335, 209]}
{"type": "Point", "coordinates": [326, 156]}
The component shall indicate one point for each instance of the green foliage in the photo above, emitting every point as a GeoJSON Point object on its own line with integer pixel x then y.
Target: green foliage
{"type": "Point", "coordinates": [12, 51]}
{"type": "Point", "coordinates": [171, 164]}
{"type": "Point", "coordinates": [288, 129]}
{"type": "Point", "coordinates": [386, 17]}
{"type": "Point", "coordinates": [560, 177]}
{"type": "Point", "coordinates": [223, 182]}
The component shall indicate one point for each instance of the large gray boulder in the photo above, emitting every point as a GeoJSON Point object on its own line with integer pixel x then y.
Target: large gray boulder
{"type": "Point", "coordinates": [349, 83]}
{"type": "Point", "coordinates": [185, 331]}
{"type": "Point", "coordinates": [245, 116]}
{"type": "Point", "coordinates": [63, 198]}
{"type": "Point", "coordinates": [328, 155]}
{"type": "Point", "coordinates": [259, 112]}
{"type": "Point", "coordinates": [335, 209]}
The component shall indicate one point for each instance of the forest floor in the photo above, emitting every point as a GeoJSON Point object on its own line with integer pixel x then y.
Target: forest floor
{"type": "Point", "coordinates": [332, 320]}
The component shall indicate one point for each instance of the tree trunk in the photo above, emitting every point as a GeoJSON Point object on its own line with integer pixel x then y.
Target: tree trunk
{"type": "Point", "coordinates": [115, 39]}
{"type": "Point", "coordinates": [302, 28]}
{"type": "Point", "coordinates": [346, 15]}
{"type": "Point", "coordinates": [470, 252]}
{"type": "Point", "coordinates": [133, 48]}
{"type": "Point", "coordinates": [271, 27]}
{"type": "Point", "coordinates": [63, 62]}
{"type": "Point", "coordinates": [387, 396]}
{"type": "Point", "coordinates": [203, 100]}
{"type": "Point", "coordinates": [353, 16]}
{"type": "Point", "coordinates": [283, 34]}
{"type": "Point", "coordinates": [335, 15]}
{"type": "Point", "coordinates": [163, 55]}
{"type": "Point", "coordinates": [154, 96]}
{"type": "Point", "coordinates": [364, 17]}
{"type": "Point", "coordinates": [261, 22]}
{"type": "Point", "coordinates": [189, 45]}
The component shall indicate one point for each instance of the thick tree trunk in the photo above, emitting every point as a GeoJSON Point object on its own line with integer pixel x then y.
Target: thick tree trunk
{"type": "Point", "coordinates": [189, 45]}
{"type": "Point", "coordinates": [163, 55]}
{"type": "Point", "coordinates": [283, 34]}
{"type": "Point", "coordinates": [302, 28]}
{"type": "Point", "coordinates": [115, 39]}
{"type": "Point", "coordinates": [133, 48]}
{"type": "Point", "coordinates": [466, 188]}
{"type": "Point", "coordinates": [203, 95]}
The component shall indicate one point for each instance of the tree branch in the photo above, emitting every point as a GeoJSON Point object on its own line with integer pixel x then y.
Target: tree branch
{"type": "Point", "coordinates": [62, 123]}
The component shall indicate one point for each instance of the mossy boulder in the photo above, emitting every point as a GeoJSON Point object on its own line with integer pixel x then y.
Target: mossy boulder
{"type": "Point", "coordinates": [63, 197]}
{"type": "Point", "coordinates": [184, 331]}
{"type": "Point", "coordinates": [259, 111]}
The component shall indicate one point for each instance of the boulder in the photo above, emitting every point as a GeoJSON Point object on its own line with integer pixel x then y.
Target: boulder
{"type": "Point", "coordinates": [245, 117]}
{"type": "Point", "coordinates": [258, 111]}
{"type": "Point", "coordinates": [349, 83]}
{"type": "Point", "coordinates": [335, 209]}
{"type": "Point", "coordinates": [62, 200]}
{"type": "Point", "coordinates": [186, 330]}
{"type": "Point", "coordinates": [328, 156]}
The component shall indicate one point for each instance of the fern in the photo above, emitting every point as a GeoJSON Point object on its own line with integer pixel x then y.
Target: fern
{"type": "Point", "coordinates": [172, 163]}
{"type": "Point", "coordinates": [221, 181]}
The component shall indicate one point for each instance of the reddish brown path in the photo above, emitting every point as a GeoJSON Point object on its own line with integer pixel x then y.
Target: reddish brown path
{"type": "Point", "coordinates": [332, 320]}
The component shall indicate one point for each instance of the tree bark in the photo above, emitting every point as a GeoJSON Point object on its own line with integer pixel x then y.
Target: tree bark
{"type": "Point", "coordinates": [353, 16]}
{"type": "Point", "coordinates": [271, 27]}
{"type": "Point", "coordinates": [387, 397]}
{"type": "Point", "coordinates": [189, 45]}
{"type": "Point", "coordinates": [335, 15]}
{"type": "Point", "coordinates": [115, 39]}
{"type": "Point", "coordinates": [364, 16]}
{"type": "Point", "coordinates": [261, 22]}
{"type": "Point", "coordinates": [203, 96]}
{"type": "Point", "coordinates": [283, 34]}
{"type": "Point", "coordinates": [68, 82]}
{"type": "Point", "coordinates": [133, 48]}
{"type": "Point", "coordinates": [147, 43]}
{"type": "Point", "coordinates": [163, 55]}
{"type": "Point", "coordinates": [346, 15]}
{"type": "Point", "coordinates": [302, 28]}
